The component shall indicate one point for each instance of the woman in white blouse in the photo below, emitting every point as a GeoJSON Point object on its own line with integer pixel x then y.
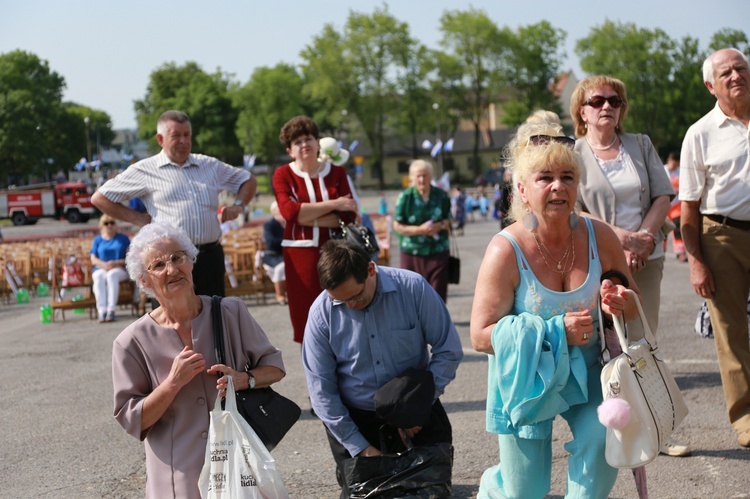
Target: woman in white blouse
{"type": "Point", "coordinates": [624, 184]}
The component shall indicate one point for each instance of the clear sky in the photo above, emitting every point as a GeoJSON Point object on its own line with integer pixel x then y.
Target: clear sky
{"type": "Point", "coordinates": [106, 49]}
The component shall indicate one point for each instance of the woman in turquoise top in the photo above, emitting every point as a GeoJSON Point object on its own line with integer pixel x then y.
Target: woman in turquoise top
{"type": "Point", "coordinates": [535, 313]}
{"type": "Point", "coordinates": [423, 220]}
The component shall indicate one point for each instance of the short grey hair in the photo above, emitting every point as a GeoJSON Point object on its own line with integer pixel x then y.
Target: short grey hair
{"type": "Point", "coordinates": [172, 115]}
{"type": "Point", "coordinates": [708, 65]}
{"type": "Point", "coordinates": [147, 237]}
{"type": "Point", "coordinates": [420, 163]}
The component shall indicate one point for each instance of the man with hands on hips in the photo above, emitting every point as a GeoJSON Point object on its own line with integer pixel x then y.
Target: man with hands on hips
{"type": "Point", "coordinates": [182, 189]}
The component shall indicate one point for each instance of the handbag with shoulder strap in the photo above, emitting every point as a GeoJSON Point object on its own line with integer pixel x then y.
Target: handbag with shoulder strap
{"type": "Point", "coordinates": [269, 414]}
{"type": "Point", "coordinates": [655, 406]}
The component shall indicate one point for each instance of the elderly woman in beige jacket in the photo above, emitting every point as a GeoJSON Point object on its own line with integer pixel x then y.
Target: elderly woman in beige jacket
{"type": "Point", "coordinates": [164, 368]}
{"type": "Point", "coordinates": [625, 185]}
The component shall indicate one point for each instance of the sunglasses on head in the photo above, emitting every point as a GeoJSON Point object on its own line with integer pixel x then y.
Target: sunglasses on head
{"type": "Point", "coordinates": [539, 140]}
{"type": "Point", "coordinates": [597, 101]}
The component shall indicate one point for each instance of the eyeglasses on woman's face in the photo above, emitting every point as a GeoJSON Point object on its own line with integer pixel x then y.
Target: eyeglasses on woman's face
{"type": "Point", "coordinates": [177, 259]}
{"type": "Point", "coordinates": [539, 140]}
{"type": "Point", "coordinates": [108, 223]}
{"type": "Point", "coordinates": [597, 101]}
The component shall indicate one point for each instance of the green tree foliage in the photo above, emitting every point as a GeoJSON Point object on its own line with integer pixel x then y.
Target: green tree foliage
{"type": "Point", "coordinates": [265, 103]}
{"type": "Point", "coordinates": [413, 97]}
{"type": "Point", "coordinates": [534, 62]}
{"type": "Point", "coordinates": [478, 52]}
{"type": "Point", "coordinates": [204, 97]}
{"type": "Point", "coordinates": [98, 131]}
{"type": "Point", "coordinates": [355, 70]}
{"type": "Point", "coordinates": [30, 114]}
{"type": "Point", "coordinates": [729, 38]}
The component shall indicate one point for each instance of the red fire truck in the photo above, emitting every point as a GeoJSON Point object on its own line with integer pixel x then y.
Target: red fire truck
{"type": "Point", "coordinates": [27, 204]}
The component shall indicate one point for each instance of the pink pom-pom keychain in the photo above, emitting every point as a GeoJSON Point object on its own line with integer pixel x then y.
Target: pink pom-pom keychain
{"type": "Point", "coordinates": [614, 413]}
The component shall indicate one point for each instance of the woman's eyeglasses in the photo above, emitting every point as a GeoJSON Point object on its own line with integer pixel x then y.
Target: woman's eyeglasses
{"type": "Point", "coordinates": [108, 223]}
{"type": "Point", "coordinates": [177, 259]}
{"type": "Point", "coordinates": [539, 140]}
{"type": "Point", "coordinates": [597, 101]}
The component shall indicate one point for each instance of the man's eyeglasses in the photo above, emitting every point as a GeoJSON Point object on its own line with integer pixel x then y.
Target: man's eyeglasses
{"type": "Point", "coordinates": [177, 259]}
{"type": "Point", "coordinates": [597, 101]}
{"type": "Point", "coordinates": [354, 299]}
{"type": "Point", "coordinates": [539, 140]}
{"type": "Point", "coordinates": [108, 223]}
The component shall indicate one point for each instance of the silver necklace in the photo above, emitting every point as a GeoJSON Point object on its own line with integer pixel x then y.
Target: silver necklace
{"type": "Point", "coordinates": [601, 148]}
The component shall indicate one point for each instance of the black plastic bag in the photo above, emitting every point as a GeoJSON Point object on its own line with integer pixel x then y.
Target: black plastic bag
{"type": "Point", "coordinates": [423, 471]}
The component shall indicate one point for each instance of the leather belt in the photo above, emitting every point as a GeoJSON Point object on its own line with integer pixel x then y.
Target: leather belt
{"type": "Point", "coordinates": [729, 222]}
{"type": "Point", "coordinates": [207, 246]}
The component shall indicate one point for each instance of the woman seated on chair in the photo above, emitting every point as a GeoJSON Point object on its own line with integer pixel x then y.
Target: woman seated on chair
{"type": "Point", "coordinates": [273, 260]}
{"type": "Point", "coordinates": [108, 258]}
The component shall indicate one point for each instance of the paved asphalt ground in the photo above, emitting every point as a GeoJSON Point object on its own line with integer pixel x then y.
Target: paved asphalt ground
{"type": "Point", "coordinates": [59, 439]}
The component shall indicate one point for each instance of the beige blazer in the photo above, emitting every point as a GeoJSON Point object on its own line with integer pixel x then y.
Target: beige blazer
{"type": "Point", "coordinates": [595, 193]}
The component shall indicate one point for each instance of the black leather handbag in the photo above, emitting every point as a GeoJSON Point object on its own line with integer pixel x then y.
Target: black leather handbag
{"type": "Point", "coordinates": [359, 235]}
{"type": "Point", "coordinates": [454, 261]}
{"type": "Point", "coordinates": [269, 414]}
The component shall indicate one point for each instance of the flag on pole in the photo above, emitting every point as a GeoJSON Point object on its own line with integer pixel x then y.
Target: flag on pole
{"type": "Point", "coordinates": [437, 148]}
{"type": "Point", "coordinates": [448, 145]}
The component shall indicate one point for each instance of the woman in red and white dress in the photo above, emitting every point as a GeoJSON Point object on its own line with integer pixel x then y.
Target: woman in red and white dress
{"type": "Point", "coordinates": [312, 196]}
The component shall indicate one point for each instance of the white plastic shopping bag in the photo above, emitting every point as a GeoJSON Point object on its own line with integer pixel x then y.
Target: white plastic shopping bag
{"type": "Point", "coordinates": [237, 463]}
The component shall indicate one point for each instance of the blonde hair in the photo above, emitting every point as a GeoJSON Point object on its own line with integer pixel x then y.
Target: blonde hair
{"type": "Point", "coordinates": [578, 99]}
{"type": "Point", "coordinates": [105, 218]}
{"type": "Point", "coordinates": [524, 158]}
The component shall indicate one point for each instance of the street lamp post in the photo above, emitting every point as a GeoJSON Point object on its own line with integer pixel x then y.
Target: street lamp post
{"type": "Point", "coordinates": [86, 120]}
{"type": "Point", "coordinates": [436, 107]}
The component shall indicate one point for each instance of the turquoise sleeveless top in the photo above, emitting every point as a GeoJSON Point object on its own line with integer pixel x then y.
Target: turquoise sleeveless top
{"type": "Point", "coordinates": [533, 297]}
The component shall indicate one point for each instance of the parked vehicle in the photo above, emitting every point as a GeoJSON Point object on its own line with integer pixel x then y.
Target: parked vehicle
{"type": "Point", "coordinates": [27, 204]}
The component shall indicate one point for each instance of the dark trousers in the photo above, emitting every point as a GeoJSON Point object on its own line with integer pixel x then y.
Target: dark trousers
{"type": "Point", "coordinates": [209, 270]}
{"type": "Point", "coordinates": [434, 268]}
{"type": "Point", "coordinates": [438, 429]}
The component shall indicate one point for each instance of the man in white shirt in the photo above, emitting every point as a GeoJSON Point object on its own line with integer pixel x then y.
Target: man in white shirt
{"type": "Point", "coordinates": [715, 221]}
{"type": "Point", "coordinates": [182, 189]}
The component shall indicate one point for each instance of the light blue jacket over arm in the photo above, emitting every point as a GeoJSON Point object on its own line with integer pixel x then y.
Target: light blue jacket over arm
{"type": "Point", "coordinates": [533, 376]}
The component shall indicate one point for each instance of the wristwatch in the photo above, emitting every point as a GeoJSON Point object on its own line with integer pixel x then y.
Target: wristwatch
{"type": "Point", "coordinates": [239, 203]}
{"type": "Point", "coordinates": [250, 380]}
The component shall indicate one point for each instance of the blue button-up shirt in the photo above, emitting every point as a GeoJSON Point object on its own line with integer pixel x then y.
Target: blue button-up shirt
{"type": "Point", "coordinates": [349, 354]}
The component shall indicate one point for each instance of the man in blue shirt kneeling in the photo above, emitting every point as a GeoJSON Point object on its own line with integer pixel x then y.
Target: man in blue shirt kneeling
{"type": "Point", "coordinates": [371, 325]}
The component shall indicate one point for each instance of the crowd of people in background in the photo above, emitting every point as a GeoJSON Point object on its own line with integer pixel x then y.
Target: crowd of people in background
{"type": "Point", "coordinates": [581, 221]}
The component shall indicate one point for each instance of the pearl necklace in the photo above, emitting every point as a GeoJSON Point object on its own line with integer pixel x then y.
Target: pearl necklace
{"type": "Point", "coordinates": [562, 268]}
{"type": "Point", "coordinates": [601, 148]}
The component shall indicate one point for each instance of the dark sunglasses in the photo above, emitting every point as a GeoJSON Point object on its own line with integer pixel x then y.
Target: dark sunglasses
{"type": "Point", "coordinates": [108, 223]}
{"type": "Point", "coordinates": [597, 101]}
{"type": "Point", "coordinates": [539, 140]}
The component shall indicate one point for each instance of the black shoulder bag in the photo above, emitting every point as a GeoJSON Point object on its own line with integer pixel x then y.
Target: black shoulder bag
{"type": "Point", "coordinates": [271, 415]}
{"type": "Point", "coordinates": [359, 235]}
{"type": "Point", "coordinates": [454, 260]}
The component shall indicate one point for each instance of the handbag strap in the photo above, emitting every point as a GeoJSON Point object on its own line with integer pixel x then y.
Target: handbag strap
{"type": "Point", "coordinates": [218, 329]}
{"type": "Point", "coordinates": [620, 327]}
{"type": "Point", "coordinates": [454, 241]}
